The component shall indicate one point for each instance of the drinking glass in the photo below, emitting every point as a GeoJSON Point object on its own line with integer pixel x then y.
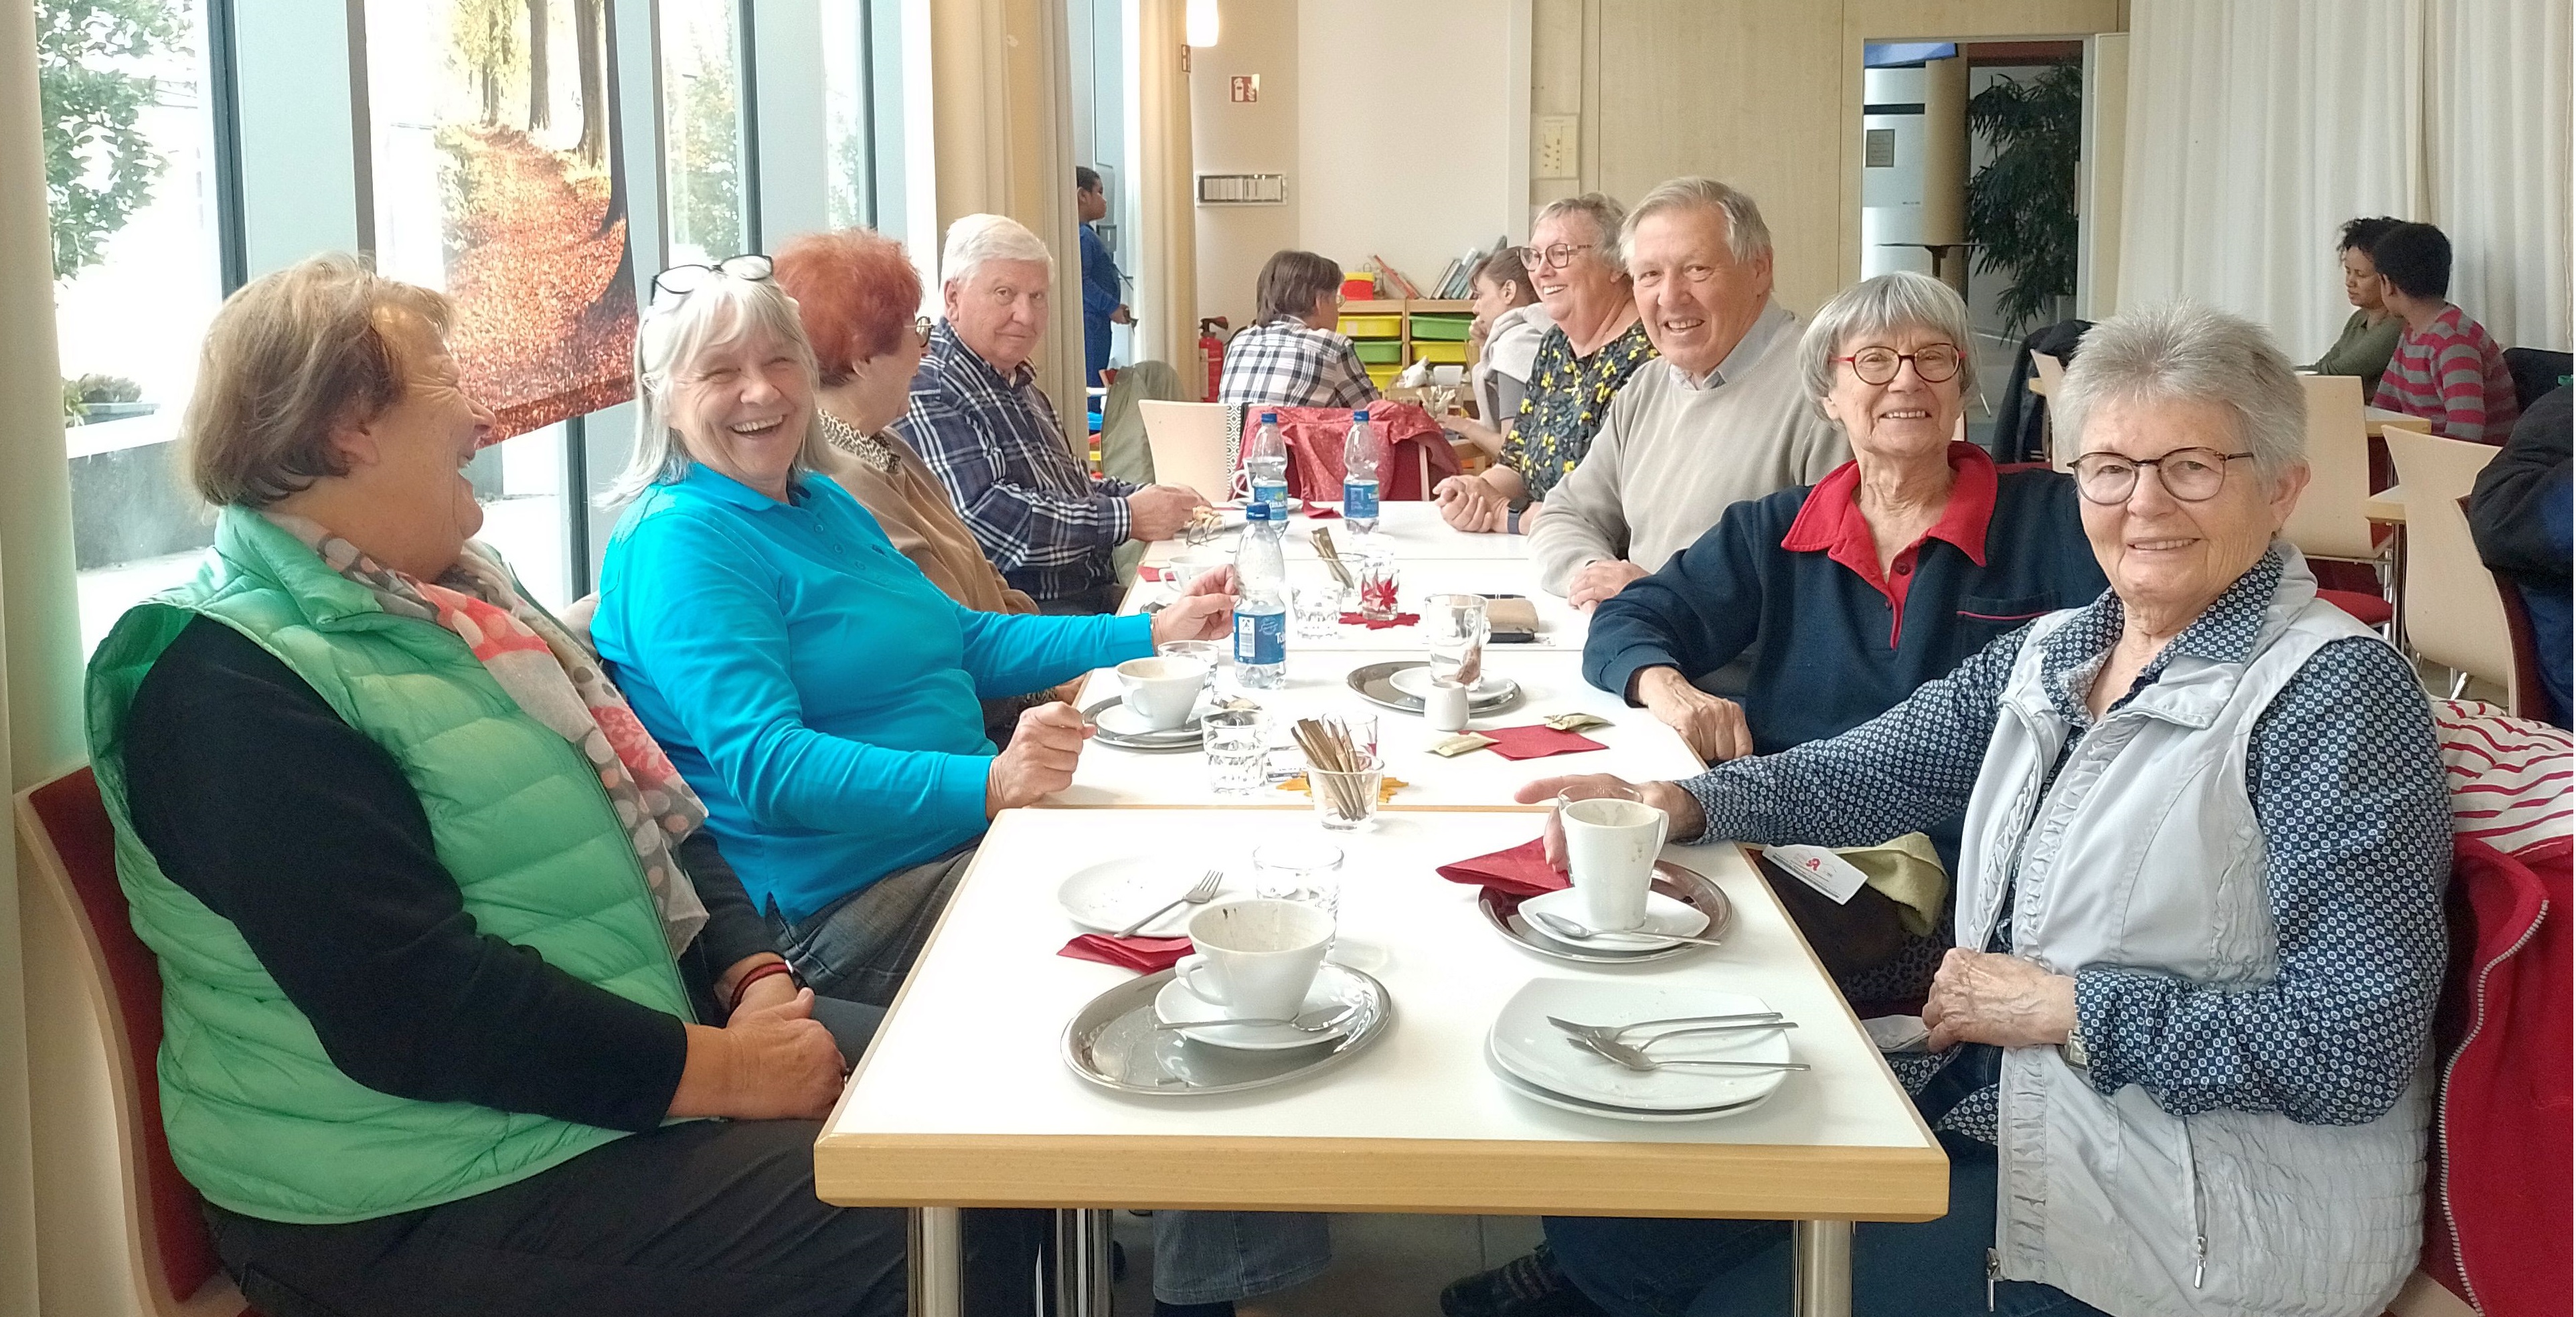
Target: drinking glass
{"type": "Point", "coordinates": [1362, 729]}
{"type": "Point", "coordinates": [1346, 801]}
{"type": "Point", "coordinates": [1457, 629]}
{"type": "Point", "coordinates": [1378, 582]}
{"type": "Point", "coordinates": [1237, 758]}
{"type": "Point", "coordinates": [1304, 869]}
{"type": "Point", "coordinates": [1319, 610]}
{"type": "Point", "coordinates": [1218, 660]}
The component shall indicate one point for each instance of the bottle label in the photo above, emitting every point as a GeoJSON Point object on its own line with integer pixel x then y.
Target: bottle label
{"type": "Point", "coordinates": [1359, 498]}
{"type": "Point", "coordinates": [1261, 639]}
{"type": "Point", "coordinates": [1273, 493]}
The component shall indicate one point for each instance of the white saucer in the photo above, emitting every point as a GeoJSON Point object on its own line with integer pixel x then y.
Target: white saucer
{"type": "Point", "coordinates": [1667, 921]}
{"type": "Point", "coordinates": [1520, 1087]}
{"type": "Point", "coordinates": [1334, 989]}
{"type": "Point", "coordinates": [1121, 721]}
{"type": "Point", "coordinates": [1112, 894]}
{"type": "Point", "coordinates": [1543, 1055]}
{"type": "Point", "coordinates": [1416, 682]}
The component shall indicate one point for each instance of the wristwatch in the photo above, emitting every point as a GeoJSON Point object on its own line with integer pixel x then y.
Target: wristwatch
{"type": "Point", "coordinates": [2073, 1048]}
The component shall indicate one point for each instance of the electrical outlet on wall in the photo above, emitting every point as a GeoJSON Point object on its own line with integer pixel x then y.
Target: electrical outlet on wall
{"type": "Point", "coordinates": [1556, 145]}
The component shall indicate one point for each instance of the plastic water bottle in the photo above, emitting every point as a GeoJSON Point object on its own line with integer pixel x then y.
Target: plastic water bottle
{"type": "Point", "coordinates": [1267, 461]}
{"type": "Point", "coordinates": [1359, 476]}
{"type": "Point", "coordinates": [1261, 601]}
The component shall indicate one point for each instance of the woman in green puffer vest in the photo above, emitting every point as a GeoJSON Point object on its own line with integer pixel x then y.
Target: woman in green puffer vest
{"type": "Point", "coordinates": [449, 972]}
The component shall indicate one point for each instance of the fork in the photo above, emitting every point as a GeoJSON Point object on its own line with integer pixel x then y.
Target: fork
{"type": "Point", "coordinates": [1201, 894]}
{"type": "Point", "coordinates": [1633, 1059]}
{"type": "Point", "coordinates": [1610, 1033]}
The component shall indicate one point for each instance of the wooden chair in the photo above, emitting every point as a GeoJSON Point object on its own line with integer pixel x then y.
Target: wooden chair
{"type": "Point", "coordinates": [2330, 523]}
{"type": "Point", "coordinates": [65, 829]}
{"type": "Point", "coordinates": [2454, 614]}
{"type": "Point", "coordinates": [1187, 440]}
{"type": "Point", "coordinates": [2046, 373]}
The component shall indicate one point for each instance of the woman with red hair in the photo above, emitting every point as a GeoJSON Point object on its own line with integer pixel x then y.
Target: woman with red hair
{"type": "Point", "coordinates": [860, 301]}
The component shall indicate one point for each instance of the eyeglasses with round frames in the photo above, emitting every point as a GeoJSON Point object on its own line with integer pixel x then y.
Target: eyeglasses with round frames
{"type": "Point", "coordinates": [2193, 475]}
{"type": "Point", "coordinates": [1555, 257]}
{"type": "Point", "coordinates": [679, 281]}
{"type": "Point", "coordinates": [1932, 364]}
{"type": "Point", "coordinates": [921, 327]}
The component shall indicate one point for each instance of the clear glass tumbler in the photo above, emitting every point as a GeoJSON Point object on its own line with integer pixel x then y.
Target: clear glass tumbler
{"type": "Point", "coordinates": [1319, 610]}
{"type": "Point", "coordinates": [1456, 627]}
{"type": "Point", "coordinates": [1379, 580]}
{"type": "Point", "coordinates": [1238, 758]}
{"type": "Point", "coordinates": [1305, 869]}
{"type": "Point", "coordinates": [1346, 801]}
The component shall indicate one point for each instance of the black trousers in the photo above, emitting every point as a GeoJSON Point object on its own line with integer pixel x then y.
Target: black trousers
{"type": "Point", "coordinates": [706, 1218]}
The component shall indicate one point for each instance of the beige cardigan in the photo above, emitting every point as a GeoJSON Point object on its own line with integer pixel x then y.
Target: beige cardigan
{"type": "Point", "coordinates": [899, 490]}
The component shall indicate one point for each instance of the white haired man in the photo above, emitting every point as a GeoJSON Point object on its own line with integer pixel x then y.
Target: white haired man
{"type": "Point", "coordinates": [1722, 416]}
{"type": "Point", "coordinates": [978, 418]}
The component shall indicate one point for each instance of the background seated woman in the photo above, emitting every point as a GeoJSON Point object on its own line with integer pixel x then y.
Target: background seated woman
{"type": "Point", "coordinates": [2200, 928]}
{"type": "Point", "coordinates": [818, 691]}
{"type": "Point", "coordinates": [1291, 355]}
{"type": "Point", "coordinates": [433, 1007]}
{"type": "Point", "coordinates": [1510, 325]}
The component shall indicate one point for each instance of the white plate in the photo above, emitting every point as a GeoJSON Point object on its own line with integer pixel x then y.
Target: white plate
{"type": "Point", "coordinates": [1119, 720]}
{"type": "Point", "coordinates": [1112, 894]}
{"type": "Point", "coordinates": [1416, 682]}
{"type": "Point", "coordinates": [1667, 921]}
{"type": "Point", "coordinates": [1520, 1087]}
{"type": "Point", "coordinates": [1534, 1050]}
{"type": "Point", "coordinates": [1334, 989]}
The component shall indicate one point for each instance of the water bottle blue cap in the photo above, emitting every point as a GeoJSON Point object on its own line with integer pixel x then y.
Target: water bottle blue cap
{"type": "Point", "coordinates": [1359, 413]}
{"type": "Point", "coordinates": [1270, 418]}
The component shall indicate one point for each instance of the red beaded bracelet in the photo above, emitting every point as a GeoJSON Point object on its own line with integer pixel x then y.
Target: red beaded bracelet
{"type": "Point", "coordinates": [773, 967]}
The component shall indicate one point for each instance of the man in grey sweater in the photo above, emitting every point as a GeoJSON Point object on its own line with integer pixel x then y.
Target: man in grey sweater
{"type": "Point", "coordinates": [1721, 416]}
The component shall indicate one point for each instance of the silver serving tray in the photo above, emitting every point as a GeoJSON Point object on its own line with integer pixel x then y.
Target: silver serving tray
{"type": "Point", "coordinates": [1181, 739]}
{"type": "Point", "coordinates": [1375, 685]}
{"type": "Point", "coordinates": [1112, 1042]}
{"type": "Point", "coordinates": [1687, 886]}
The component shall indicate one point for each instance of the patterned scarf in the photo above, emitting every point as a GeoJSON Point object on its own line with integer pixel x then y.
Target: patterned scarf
{"type": "Point", "coordinates": [556, 680]}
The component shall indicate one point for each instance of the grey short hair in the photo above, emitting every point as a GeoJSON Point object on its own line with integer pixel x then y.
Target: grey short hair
{"type": "Point", "coordinates": [2187, 352]}
{"type": "Point", "coordinates": [975, 239]}
{"type": "Point", "coordinates": [1606, 215]}
{"type": "Point", "coordinates": [671, 337]}
{"type": "Point", "coordinates": [1748, 239]}
{"type": "Point", "coordinates": [1884, 305]}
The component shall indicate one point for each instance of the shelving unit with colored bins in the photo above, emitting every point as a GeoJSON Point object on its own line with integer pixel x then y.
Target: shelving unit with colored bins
{"type": "Point", "coordinates": [1393, 333]}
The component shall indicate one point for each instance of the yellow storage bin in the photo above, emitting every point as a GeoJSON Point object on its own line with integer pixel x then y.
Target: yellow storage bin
{"type": "Point", "coordinates": [1373, 326]}
{"type": "Point", "coordinates": [1383, 376]}
{"type": "Point", "coordinates": [1439, 352]}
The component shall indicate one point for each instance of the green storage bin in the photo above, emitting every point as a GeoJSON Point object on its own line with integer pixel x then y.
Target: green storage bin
{"type": "Point", "coordinates": [1379, 351]}
{"type": "Point", "coordinates": [1447, 328]}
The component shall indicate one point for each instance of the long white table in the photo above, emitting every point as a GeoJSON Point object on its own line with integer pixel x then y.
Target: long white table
{"type": "Point", "coordinates": [963, 1099]}
{"type": "Point", "coordinates": [1638, 747]}
{"type": "Point", "coordinates": [1559, 625]}
{"type": "Point", "coordinates": [1411, 530]}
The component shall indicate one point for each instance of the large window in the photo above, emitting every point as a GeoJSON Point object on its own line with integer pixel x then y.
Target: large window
{"type": "Point", "coordinates": [702, 129]}
{"type": "Point", "coordinates": [130, 159]}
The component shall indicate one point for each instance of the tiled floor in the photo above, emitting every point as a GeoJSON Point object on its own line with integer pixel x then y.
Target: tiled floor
{"type": "Point", "coordinates": [1383, 1266]}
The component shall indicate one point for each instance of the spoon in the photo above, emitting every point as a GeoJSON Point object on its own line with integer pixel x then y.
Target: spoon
{"type": "Point", "coordinates": [1635, 1059]}
{"type": "Point", "coordinates": [1567, 928]}
{"type": "Point", "coordinates": [1320, 1020]}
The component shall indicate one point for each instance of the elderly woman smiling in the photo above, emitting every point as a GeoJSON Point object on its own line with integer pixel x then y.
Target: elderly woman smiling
{"type": "Point", "coordinates": [1596, 343]}
{"type": "Point", "coordinates": [815, 687]}
{"type": "Point", "coordinates": [2199, 921]}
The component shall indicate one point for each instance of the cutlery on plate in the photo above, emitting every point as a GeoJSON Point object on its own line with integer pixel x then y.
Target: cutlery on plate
{"type": "Point", "coordinates": [1612, 1031]}
{"type": "Point", "coordinates": [1198, 895]}
{"type": "Point", "coordinates": [1567, 928]}
{"type": "Point", "coordinates": [1314, 1021]}
{"type": "Point", "coordinates": [1609, 1033]}
{"type": "Point", "coordinates": [1638, 1060]}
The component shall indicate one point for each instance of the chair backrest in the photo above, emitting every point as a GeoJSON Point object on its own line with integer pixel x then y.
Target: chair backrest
{"type": "Point", "coordinates": [2453, 614]}
{"type": "Point", "coordinates": [2329, 521]}
{"type": "Point", "coordinates": [66, 830]}
{"type": "Point", "coordinates": [1188, 443]}
{"type": "Point", "coordinates": [2535, 371]}
{"type": "Point", "coordinates": [2046, 372]}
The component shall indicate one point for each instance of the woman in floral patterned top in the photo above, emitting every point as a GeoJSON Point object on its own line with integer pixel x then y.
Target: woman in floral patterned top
{"type": "Point", "coordinates": [1598, 342]}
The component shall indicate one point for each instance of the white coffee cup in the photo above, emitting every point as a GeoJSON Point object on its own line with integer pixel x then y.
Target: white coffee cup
{"type": "Point", "coordinates": [1256, 958]}
{"type": "Point", "coordinates": [1162, 691]}
{"type": "Point", "coordinates": [1610, 850]}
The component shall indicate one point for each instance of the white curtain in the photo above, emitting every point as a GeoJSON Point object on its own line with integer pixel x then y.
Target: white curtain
{"type": "Point", "coordinates": [1164, 202]}
{"type": "Point", "coordinates": [2255, 130]}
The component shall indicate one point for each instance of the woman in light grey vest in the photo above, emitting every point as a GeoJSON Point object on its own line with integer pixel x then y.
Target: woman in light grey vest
{"type": "Point", "coordinates": [2179, 1051]}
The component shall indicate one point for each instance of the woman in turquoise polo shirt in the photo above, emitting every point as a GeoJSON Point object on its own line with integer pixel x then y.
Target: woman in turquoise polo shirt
{"type": "Point", "coordinates": [817, 690]}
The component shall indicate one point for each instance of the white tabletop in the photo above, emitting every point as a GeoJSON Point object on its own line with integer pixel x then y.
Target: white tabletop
{"type": "Point", "coordinates": [1637, 746]}
{"type": "Point", "coordinates": [1411, 530]}
{"type": "Point", "coordinates": [1559, 626]}
{"type": "Point", "coordinates": [964, 1097]}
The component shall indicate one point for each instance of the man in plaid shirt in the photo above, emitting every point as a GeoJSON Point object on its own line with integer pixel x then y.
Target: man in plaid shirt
{"type": "Point", "coordinates": [1290, 356]}
{"type": "Point", "coordinates": [979, 420]}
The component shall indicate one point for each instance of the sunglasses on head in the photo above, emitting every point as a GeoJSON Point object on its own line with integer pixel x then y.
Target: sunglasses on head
{"type": "Point", "coordinates": [681, 280]}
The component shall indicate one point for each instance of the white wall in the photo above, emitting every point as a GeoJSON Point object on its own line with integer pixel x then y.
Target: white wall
{"type": "Point", "coordinates": [1259, 38]}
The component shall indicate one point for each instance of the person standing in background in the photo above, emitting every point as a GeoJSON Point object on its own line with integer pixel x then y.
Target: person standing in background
{"type": "Point", "coordinates": [1102, 285]}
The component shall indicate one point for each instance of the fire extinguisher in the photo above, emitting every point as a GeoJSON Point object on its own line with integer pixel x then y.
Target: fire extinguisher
{"type": "Point", "coordinates": [1212, 337]}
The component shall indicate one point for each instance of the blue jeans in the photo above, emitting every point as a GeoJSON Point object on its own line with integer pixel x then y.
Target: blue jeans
{"type": "Point", "coordinates": [1214, 1257]}
{"type": "Point", "coordinates": [1689, 1268]}
{"type": "Point", "coordinates": [859, 948]}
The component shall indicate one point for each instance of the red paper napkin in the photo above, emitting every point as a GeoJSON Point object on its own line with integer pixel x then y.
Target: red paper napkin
{"type": "Point", "coordinates": [1158, 574]}
{"type": "Point", "coordinates": [1537, 741]}
{"type": "Point", "coordinates": [1145, 955]}
{"type": "Point", "coordinates": [1521, 871]}
{"type": "Point", "coordinates": [1319, 512]}
{"type": "Point", "coordinates": [1400, 619]}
